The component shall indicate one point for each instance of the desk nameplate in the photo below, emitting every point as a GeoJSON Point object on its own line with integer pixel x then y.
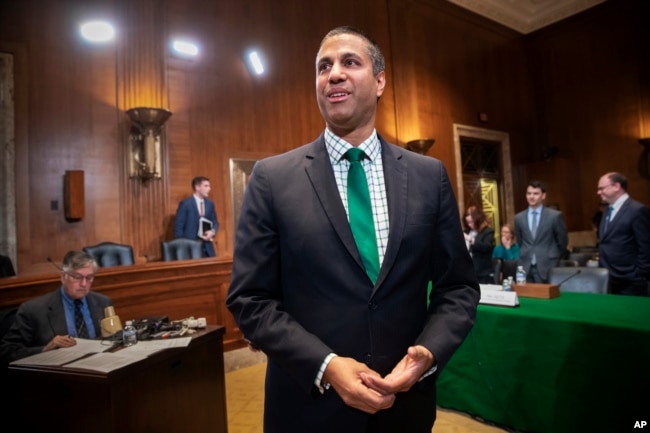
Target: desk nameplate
{"type": "Point", "coordinates": [537, 290]}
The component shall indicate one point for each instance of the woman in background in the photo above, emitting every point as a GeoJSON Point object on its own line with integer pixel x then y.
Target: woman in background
{"type": "Point", "coordinates": [479, 237]}
{"type": "Point", "coordinates": [508, 248]}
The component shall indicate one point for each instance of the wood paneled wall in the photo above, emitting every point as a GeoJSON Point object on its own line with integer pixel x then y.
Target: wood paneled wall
{"type": "Point", "coordinates": [591, 80]}
{"type": "Point", "coordinates": [582, 85]}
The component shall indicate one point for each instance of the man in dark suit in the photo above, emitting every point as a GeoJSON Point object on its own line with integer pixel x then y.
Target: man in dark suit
{"type": "Point", "coordinates": [48, 322]}
{"type": "Point", "coordinates": [541, 234]}
{"type": "Point", "coordinates": [351, 350]}
{"type": "Point", "coordinates": [624, 246]}
{"type": "Point", "coordinates": [194, 212]}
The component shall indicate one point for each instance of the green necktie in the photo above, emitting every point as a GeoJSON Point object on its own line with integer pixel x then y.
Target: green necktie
{"type": "Point", "coordinates": [360, 209]}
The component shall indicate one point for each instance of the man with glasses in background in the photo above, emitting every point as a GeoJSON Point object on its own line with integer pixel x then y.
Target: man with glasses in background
{"type": "Point", "coordinates": [624, 243]}
{"type": "Point", "coordinates": [55, 320]}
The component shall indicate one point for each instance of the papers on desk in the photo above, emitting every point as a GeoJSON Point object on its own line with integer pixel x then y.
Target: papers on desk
{"type": "Point", "coordinates": [90, 355]}
{"type": "Point", "coordinates": [106, 362]}
{"type": "Point", "coordinates": [493, 294]}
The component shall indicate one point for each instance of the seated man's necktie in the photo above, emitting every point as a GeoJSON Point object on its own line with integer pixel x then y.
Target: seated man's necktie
{"type": "Point", "coordinates": [80, 323]}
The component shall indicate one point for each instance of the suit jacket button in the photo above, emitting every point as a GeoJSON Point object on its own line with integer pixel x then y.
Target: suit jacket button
{"type": "Point", "coordinates": [368, 358]}
{"type": "Point", "coordinates": [372, 306]}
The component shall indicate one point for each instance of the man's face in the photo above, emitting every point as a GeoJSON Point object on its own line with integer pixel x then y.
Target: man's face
{"type": "Point", "coordinates": [203, 189]}
{"type": "Point", "coordinates": [534, 196]}
{"type": "Point", "coordinates": [346, 88]}
{"type": "Point", "coordinates": [77, 283]}
{"type": "Point", "coordinates": [608, 191]}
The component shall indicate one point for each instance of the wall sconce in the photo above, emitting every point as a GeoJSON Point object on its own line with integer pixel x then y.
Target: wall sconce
{"type": "Point", "coordinates": [420, 146]}
{"type": "Point", "coordinates": [144, 141]}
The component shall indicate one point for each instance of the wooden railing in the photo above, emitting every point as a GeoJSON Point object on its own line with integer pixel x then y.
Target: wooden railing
{"type": "Point", "coordinates": [176, 289]}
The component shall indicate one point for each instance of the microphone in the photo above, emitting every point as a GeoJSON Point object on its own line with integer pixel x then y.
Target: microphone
{"type": "Point", "coordinates": [54, 264]}
{"type": "Point", "coordinates": [569, 277]}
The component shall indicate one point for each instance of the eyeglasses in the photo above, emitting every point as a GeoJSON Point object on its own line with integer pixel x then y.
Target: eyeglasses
{"type": "Point", "coordinates": [79, 278]}
{"type": "Point", "coordinates": [602, 188]}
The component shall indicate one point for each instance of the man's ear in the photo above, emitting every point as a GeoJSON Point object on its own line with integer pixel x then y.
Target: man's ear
{"type": "Point", "coordinates": [381, 83]}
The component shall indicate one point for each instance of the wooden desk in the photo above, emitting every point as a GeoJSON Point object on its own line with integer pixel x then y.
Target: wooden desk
{"type": "Point", "coordinates": [176, 390]}
{"type": "Point", "coordinates": [576, 363]}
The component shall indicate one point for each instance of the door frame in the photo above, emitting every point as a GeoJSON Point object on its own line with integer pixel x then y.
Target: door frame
{"type": "Point", "coordinates": [503, 138]}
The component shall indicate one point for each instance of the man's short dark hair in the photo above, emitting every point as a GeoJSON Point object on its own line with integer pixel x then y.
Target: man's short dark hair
{"type": "Point", "coordinates": [537, 184]}
{"type": "Point", "coordinates": [377, 57]}
{"type": "Point", "coordinates": [198, 180]}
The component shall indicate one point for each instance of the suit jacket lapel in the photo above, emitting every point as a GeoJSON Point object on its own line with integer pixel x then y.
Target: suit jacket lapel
{"type": "Point", "coordinates": [395, 178]}
{"type": "Point", "coordinates": [321, 176]}
{"type": "Point", "coordinates": [619, 215]}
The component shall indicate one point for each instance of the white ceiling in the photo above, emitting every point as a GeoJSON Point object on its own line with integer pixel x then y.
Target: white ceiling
{"type": "Point", "coordinates": [526, 16]}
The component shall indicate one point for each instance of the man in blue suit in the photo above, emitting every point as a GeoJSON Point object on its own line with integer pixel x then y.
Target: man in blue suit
{"type": "Point", "coordinates": [624, 246]}
{"type": "Point", "coordinates": [192, 214]}
{"type": "Point", "coordinates": [351, 347]}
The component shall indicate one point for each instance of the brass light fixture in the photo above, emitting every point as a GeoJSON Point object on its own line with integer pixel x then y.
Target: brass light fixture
{"type": "Point", "coordinates": [421, 145]}
{"type": "Point", "coordinates": [145, 140]}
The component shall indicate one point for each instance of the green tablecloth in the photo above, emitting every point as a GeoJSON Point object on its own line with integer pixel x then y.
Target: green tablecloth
{"type": "Point", "coordinates": [577, 363]}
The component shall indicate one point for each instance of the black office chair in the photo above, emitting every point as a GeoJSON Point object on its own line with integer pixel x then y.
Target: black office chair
{"type": "Point", "coordinates": [496, 271]}
{"type": "Point", "coordinates": [581, 258]}
{"type": "Point", "coordinates": [181, 249]}
{"type": "Point", "coordinates": [580, 279]}
{"type": "Point", "coordinates": [509, 268]}
{"type": "Point", "coordinates": [566, 263]}
{"type": "Point", "coordinates": [6, 267]}
{"type": "Point", "coordinates": [108, 254]}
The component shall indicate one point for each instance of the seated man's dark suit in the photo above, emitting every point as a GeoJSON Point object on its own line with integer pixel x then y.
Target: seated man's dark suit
{"type": "Point", "coordinates": [39, 320]}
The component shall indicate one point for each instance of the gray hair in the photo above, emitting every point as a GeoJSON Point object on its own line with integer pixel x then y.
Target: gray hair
{"type": "Point", "coordinates": [74, 260]}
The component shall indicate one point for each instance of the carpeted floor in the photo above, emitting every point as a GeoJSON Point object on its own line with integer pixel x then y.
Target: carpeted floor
{"type": "Point", "coordinates": [245, 399]}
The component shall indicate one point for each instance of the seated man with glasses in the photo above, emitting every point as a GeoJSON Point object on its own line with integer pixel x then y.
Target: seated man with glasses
{"type": "Point", "coordinates": [56, 319]}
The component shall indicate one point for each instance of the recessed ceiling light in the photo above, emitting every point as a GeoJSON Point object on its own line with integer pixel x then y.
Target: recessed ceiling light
{"type": "Point", "coordinates": [256, 62]}
{"type": "Point", "coordinates": [185, 48]}
{"type": "Point", "coordinates": [97, 31]}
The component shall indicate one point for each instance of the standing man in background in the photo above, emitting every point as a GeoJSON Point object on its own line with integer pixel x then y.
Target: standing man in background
{"type": "Point", "coordinates": [56, 319]}
{"type": "Point", "coordinates": [624, 246]}
{"type": "Point", "coordinates": [191, 213]}
{"type": "Point", "coordinates": [541, 233]}
{"type": "Point", "coordinates": [354, 344]}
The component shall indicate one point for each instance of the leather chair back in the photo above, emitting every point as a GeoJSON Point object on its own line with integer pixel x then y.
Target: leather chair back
{"type": "Point", "coordinates": [182, 249]}
{"type": "Point", "coordinates": [108, 254]}
{"type": "Point", "coordinates": [580, 279]}
{"type": "Point", "coordinates": [509, 268]}
{"type": "Point", "coordinates": [581, 258]}
{"type": "Point", "coordinates": [496, 271]}
{"type": "Point", "coordinates": [6, 267]}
